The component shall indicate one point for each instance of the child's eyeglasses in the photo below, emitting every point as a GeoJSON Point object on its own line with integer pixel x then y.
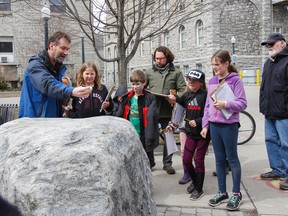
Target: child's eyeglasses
{"type": "Point", "coordinates": [136, 84]}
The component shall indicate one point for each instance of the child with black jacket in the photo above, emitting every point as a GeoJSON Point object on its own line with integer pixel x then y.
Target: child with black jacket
{"type": "Point", "coordinates": [94, 104]}
{"type": "Point", "coordinates": [140, 108]}
{"type": "Point", "coordinates": [195, 146]}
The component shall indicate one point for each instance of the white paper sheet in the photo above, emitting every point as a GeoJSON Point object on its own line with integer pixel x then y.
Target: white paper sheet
{"type": "Point", "coordinates": [170, 142]}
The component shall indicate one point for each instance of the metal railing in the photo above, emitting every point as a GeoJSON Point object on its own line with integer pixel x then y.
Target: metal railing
{"type": "Point", "coordinates": [8, 112]}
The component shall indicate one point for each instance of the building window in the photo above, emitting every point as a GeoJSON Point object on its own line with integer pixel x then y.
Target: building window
{"type": "Point", "coordinates": [277, 30]}
{"type": "Point", "coordinates": [152, 15]}
{"type": "Point", "coordinates": [200, 32]}
{"type": "Point", "coordinates": [166, 39]}
{"type": "Point", "coordinates": [186, 69]}
{"type": "Point", "coordinates": [182, 37]}
{"type": "Point", "coordinates": [152, 45]}
{"type": "Point", "coordinates": [142, 48]}
{"type": "Point", "coordinates": [181, 5]}
{"type": "Point", "coordinates": [5, 5]}
{"type": "Point", "coordinates": [166, 7]}
{"type": "Point", "coordinates": [199, 66]}
{"type": "Point", "coordinates": [57, 6]}
{"type": "Point", "coordinates": [109, 53]}
{"type": "Point", "coordinates": [6, 45]}
{"type": "Point", "coordinates": [115, 51]}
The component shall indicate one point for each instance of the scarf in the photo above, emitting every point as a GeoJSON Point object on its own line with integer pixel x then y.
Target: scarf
{"type": "Point", "coordinates": [163, 69]}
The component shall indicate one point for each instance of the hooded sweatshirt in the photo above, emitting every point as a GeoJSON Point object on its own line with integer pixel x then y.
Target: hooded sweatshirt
{"type": "Point", "coordinates": [211, 114]}
{"type": "Point", "coordinates": [121, 90]}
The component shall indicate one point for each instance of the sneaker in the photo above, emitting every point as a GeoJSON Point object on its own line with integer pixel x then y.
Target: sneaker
{"type": "Point", "coordinates": [190, 188]}
{"type": "Point", "coordinates": [218, 199]}
{"type": "Point", "coordinates": [234, 202]}
{"type": "Point", "coordinates": [169, 169]}
{"type": "Point", "coordinates": [284, 185]}
{"type": "Point", "coordinates": [270, 176]}
{"type": "Point", "coordinates": [195, 195]}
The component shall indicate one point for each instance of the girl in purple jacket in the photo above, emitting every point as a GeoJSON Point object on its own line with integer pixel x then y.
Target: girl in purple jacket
{"type": "Point", "coordinates": [224, 128]}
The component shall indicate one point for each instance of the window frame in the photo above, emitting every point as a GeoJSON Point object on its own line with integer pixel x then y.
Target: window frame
{"type": "Point", "coordinates": [5, 5]}
{"type": "Point", "coordinates": [7, 39]}
{"type": "Point", "coordinates": [199, 32]}
{"type": "Point", "coordinates": [57, 6]}
{"type": "Point", "coordinates": [181, 5]}
{"type": "Point", "coordinates": [182, 36]}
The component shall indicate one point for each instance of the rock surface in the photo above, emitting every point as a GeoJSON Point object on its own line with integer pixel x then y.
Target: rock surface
{"type": "Point", "coordinates": [93, 166]}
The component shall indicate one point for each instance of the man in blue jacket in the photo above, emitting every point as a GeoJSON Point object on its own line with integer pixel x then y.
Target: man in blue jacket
{"type": "Point", "coordinates": [42, 89]}
{"type": "Point", "coordinates": [274, 106]}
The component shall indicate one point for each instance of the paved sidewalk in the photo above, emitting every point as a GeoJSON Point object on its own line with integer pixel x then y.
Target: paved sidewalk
{"type": "Point", "coordinates": [259, 197]}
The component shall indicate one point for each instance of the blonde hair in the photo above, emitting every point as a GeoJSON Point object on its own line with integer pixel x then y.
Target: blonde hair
{"type": "Point", "coordinates": [80, 79]}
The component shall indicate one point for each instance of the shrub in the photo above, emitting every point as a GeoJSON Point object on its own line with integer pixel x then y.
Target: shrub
{"type": "Point", "coordinates": [3, 84]}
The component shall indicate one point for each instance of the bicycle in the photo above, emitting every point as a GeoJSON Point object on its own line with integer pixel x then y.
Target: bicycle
{"type": "Point", "coordinates": [246, 130]}
{"type": "Point", "coordinates": [247, 127]}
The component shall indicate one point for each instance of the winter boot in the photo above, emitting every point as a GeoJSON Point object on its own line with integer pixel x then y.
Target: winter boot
{"type": "Point", "coordinates": [186, 177]}
{"type": "Point", "coordinates": [192, 186]}
{"type": "Point", "coordinates": [198, 192]}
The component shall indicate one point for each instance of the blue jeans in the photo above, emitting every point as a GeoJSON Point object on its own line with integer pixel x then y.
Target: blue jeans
{"type": "Point", "coordinates": [276, 139]}
{"type": "Point", "coordinates": [224, 139]}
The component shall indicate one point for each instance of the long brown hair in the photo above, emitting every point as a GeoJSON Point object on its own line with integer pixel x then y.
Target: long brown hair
{"type": "Point", "coordinates": [166, 51]}
{"type": "Point", "coordinates": [80, 80]}
{"type": "Point", "coordinates": [224, 56]}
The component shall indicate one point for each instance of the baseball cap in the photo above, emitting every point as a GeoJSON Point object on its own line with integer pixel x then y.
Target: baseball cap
{"type": "Point", "coordinates": [195, 74]}
{"type": "Point", "coordinates": [272, 38]}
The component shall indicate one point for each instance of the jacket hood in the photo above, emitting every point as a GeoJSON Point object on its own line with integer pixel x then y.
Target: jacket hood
{"type": "Point", "coordinates": [121, 90]}
{"type": "Point", "coordinates": [232, 75]}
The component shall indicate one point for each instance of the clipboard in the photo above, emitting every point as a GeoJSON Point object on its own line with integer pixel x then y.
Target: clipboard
{"type": "Point", "coordinates": [178, 114]}
{"type": "Point", "coordinates": [223, 92]}
{"type": "Point", "coordinates": [170, 142]}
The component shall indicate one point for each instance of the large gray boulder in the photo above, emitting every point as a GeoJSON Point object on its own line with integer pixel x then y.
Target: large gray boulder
{"type": "Point", "coordinates": [93, 166]}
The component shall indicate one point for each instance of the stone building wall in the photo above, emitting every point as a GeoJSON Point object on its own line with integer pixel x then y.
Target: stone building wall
{"type": "Point", "coordinates": [25, 24]}
{"type": "Point", "coordinates": [249, 21]}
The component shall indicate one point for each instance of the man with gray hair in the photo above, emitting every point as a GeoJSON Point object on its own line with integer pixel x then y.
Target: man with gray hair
{"type": "Point", "coordinates": [274, 106]}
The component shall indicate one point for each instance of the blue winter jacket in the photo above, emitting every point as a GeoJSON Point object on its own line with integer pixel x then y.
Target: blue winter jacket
{"type": "Point", "coordinates": [42, 89]}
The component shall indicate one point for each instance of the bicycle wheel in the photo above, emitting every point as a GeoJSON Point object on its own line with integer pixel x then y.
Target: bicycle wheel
{"type": "Point", "coordinates": [247, 128]}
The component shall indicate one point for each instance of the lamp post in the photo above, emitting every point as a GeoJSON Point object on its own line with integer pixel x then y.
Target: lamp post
{"type": "Point", "coordinates": [45, 16]}
{"type": "Point", "coordinates": [83, 50]}
{"type": "Point", "coordinates": [234, 56]}
{"type": "Point", "coordinates": [233, 41]}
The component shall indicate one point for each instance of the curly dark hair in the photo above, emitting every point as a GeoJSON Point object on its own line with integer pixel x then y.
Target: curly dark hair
{"type": "Point", "coordinates": [167, 52]}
